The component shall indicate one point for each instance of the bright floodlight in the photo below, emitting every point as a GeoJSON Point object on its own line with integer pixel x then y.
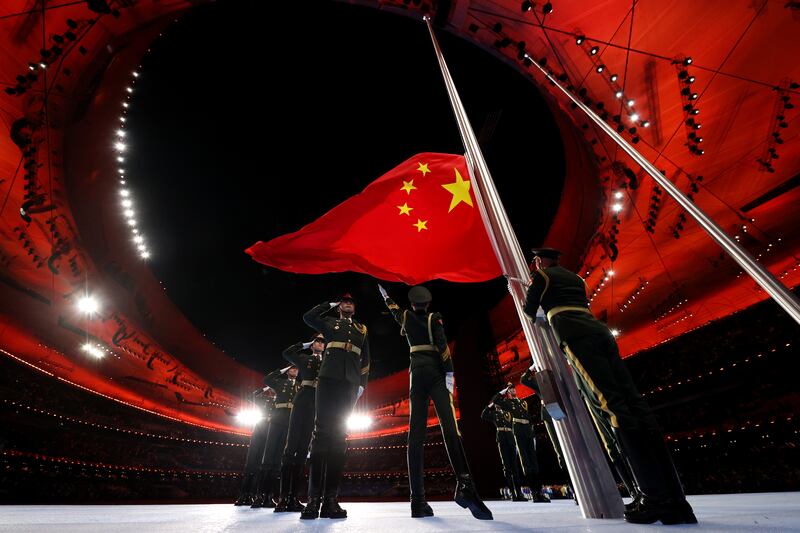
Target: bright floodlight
{"type": "Point", "coordinates": [357, 422]}
{"type": "Point", "coordinates": [138, 239]}
{"type": "Point", "coordinates": [635, 117]}
{"type": "Point", "coordinates": [93, 350]}
{"type": "Point", "coordinates": [125, 192]}
{"type": "Point", "coordinates": [618, 195]}
{"type": "Point", "coordinates": [120, 133]}
{"type": "Point", "coordinates": [127, 203]}
{"type": "Point", "coordinates": [617, 207]}
{"type": "Point", "coordinates": [120, 147]}
{"type": "Point", "coordinates": [249, 417]}
{"type": "Point", "coordinates": [145, 255]}
{"type": "Point", "coordinates": [88, 305]}
{"type": "Point", "coordinates": [615, 332]}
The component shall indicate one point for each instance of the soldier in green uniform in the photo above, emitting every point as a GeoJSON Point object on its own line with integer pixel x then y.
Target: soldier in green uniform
{"type": "Point", "coordinates": [342, 379]}
{"type": "Point", "coordinates": [528, 379]}
{"type": "Point", "coordinates": [255, 451]}
{"type": "Point", "coordinates": [593, 353]}
{"type": "Point", "coordinates": [503, 421]}
{"type": "Point", "coordinates": [431, 378]}
{"type": "Point", "coordinates": [285, 387]}
{"type": "Point", "coordinates": [526, 443]}
{"type": "Point", "coordinates": [307, 357]}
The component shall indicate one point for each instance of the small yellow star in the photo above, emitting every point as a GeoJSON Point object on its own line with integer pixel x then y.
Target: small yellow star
{"type": "Point", "coordinates": [404, 209]}
{"type": "Point", "coordinates": [423, 168]}
{"type": "Point", "coordinates": [420, 225]}
{"type": "Point", "coordinates": [408, 186]}
{"type": "Point", "coordinates": [460, 191]}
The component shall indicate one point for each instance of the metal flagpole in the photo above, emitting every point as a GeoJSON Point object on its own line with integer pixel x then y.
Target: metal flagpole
{"type": "Point", "coordinates": [587, 465]}
{"type": "Point", "coordinates": [761, 275]}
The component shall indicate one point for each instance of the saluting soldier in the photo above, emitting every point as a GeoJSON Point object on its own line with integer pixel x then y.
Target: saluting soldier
{"type": "Point", "coordinates": [285, 387]}
{"type": "Point", "coordinates": [432, 378]}
{"type": "Point", "coordinates": [307, 357]}
{"type": "Point", "coordinates": [526, 443]}
{"type": "Point", "coordinates": [593, 353]}
{"type": "Point", "coordinates": [503, 421]}
{"type": "Point", "coordinates": [342, 379]}
{"type": "Point", "coordinates": [255, 451]}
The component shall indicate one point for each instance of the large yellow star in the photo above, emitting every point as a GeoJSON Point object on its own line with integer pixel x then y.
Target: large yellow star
{"type": "Point", "coordinates": [420, 225]}
{"type": "Point", "coordinates": [460, 191]}
{"type": "Point", "coordinates": [408, 186]}
{"type": "Point", "coordinates": [404, 209]}
{"type": "Point", "coordinates": [424, 169]}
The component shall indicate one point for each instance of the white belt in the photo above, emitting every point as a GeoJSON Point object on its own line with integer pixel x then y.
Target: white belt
{"type": "Point", "coordinates": [504, 429]}
{"type": "Point", "coordinates": [521, 421]}
{"type": "Point", "coordinates": [287, 405]}
{"type": "Point", "coordinates": [308, 383]}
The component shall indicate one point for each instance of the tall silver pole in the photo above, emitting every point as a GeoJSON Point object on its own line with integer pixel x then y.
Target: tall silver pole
{"type": "Point", "coordinates": [586, 462]}
{"type": "Point", "coordinates": [777, 290]}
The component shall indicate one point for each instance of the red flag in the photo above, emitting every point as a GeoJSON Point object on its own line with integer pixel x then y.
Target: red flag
{"type": "Point", "coordinates": [415, 223]}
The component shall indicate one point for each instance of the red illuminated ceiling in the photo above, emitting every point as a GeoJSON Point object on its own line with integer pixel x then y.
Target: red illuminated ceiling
{"type": "Point", "coordinates": [59, 223]}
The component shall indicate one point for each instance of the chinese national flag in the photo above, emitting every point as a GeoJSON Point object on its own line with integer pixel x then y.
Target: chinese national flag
{"type": "Point", "coordinates": [415, 223]}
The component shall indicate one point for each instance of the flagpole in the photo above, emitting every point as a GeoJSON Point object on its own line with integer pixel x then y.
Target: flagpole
{"type": "Point", "coordinates": [771, 285]}
{"type": "Point", "coordinates": [587, 465]}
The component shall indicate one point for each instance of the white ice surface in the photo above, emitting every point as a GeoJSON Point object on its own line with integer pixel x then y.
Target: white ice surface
{"type": "Point", "coordinates": [718, 513]}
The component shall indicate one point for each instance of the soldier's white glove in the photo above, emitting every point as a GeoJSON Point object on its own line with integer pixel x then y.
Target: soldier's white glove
{"type": "Point", "coordinates": [360, 392]}
{"type": "Point", "coordinates": [265, 389]}
{"type": "Point", "coordinates": [334, 304]}
{"type": "Point", "coordinates": [449, 381]}
{"type": "Point", "coordinates": [284, 370]}
{"type": "Point", "coordinates": [307, 345]}
{"type": "Point", "coordinates": [383, 291]}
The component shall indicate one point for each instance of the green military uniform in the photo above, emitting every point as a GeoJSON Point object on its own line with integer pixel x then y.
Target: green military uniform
{"type": "Point", "coordinates": [285, 391]}
{"type": "Point", "coordinates": [344, 368]}
{"type": "Point", "coordinates": [255, 454]}
{"type": "Point", "coordinates": [529, 381]}
{"type": "Point", "coordinates": [431, 378]}
{"type": "Point", "coordinates": [593, 353]}
{"type": "Point", "coordinates": [301, 424]}
{"type": "Point", "coordinates": [503, 422]}
{"type": "Point", "coordinates": [430, 361]}
{"type": "Point", "coordinates": [526, 445]}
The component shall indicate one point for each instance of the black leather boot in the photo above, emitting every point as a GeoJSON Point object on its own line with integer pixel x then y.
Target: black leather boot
{"type": "Point", "coordinates": [333, 475]}
{"type": "Point", "coordinates": [316, 481]}
{"type": "Point", "coordinates": [662, 495]}
{"type": "Point", "coordinates": [467, 497]}
{"type": "Point", "coordinates": [516, 491]}
{"type": "Point", "coordinates": [246, 493]}
{"type": "Point", "coordinates": [331, 509]}
{"type": "Point", "coordinates": [286, 488]}
{"type": "Point", "coordinates": [260, 494]}
{"type": "Point", "coordinates": [538, 497]}
{"type": "Point", "coordinates": [311, 510]}
{"type": "Point", "coordinates": [420, 508]}
{"type": "Point", "coordinates": [294, 505]}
